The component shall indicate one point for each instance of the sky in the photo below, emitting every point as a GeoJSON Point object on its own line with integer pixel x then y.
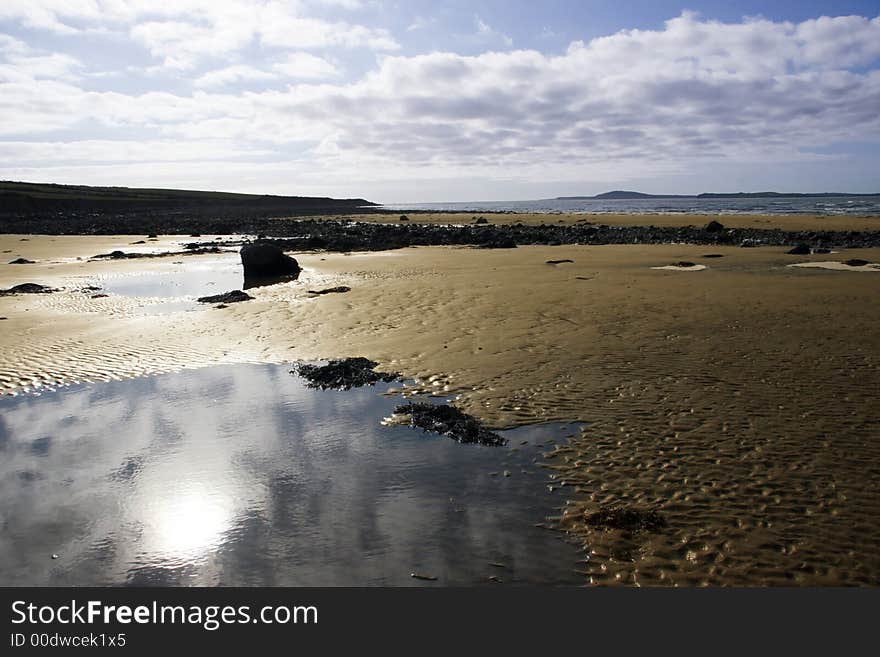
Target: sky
{"type": "Point", "coordinates": [423, 101]}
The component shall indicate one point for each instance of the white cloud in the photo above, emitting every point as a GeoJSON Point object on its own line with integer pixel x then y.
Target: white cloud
{"type": "Point", "coordinates": [303, 65]}
{"type": "Point", "coordinates": [239, 73]}
{"type": "Point", "coordinates": [183, 32]}
{"type": "Point", "coordinates": [486, 32]}
{"type": "Point", "coordinates": [420, 23]}
{"type": "Point", "coordinates": [637, 102]}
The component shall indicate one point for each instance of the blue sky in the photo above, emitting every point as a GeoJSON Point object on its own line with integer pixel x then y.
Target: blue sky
{"type": "Point", "coordinates": [442, 101]}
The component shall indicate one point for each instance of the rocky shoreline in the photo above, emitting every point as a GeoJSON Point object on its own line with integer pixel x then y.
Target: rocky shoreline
{"type": "Point", "coordinates": [343, 236]}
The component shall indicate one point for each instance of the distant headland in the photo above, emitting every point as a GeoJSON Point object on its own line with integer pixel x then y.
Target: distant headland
{"type": "Point", "coordinates": [17, 197]}
{"type": "Point", "coordinates": [626, 195]}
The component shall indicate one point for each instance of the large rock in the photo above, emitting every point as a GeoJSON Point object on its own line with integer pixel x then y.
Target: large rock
{"type": "Point", "coordinates": [714, 227]}
{"type": "Point", "coordinates": [263, 260]}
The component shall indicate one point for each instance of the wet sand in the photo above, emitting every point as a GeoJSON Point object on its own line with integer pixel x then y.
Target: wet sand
{"type": "Point", "coordinates": [738, 401]}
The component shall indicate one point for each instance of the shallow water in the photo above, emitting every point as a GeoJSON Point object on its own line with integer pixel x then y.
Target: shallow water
{"type": "Point", "coordinates": [241, 475]}
{"type": "Point", "coordinates": [829, 205]}
{"type": "Point", "coordinates": [187, 279]}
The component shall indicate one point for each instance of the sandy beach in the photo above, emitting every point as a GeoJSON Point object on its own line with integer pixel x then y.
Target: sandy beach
{"type": "Point", "coordinates": [737, 401]}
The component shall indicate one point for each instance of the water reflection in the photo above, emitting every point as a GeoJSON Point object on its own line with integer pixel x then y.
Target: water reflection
{"type": "Point", "coordinates": [191, 278]}
{"type": "Point", "coordinates": [240, 475]}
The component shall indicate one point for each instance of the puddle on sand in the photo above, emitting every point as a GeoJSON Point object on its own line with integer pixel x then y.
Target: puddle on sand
{"type": "Point", "coordinates": [241, 475]}
{"type": "Point", "coordinates": [184, 282]}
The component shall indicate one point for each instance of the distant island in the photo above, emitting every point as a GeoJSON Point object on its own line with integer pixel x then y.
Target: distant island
{"type": "Point", "coordinates": [23, 197]}
{"type": "Point", "coordinates": [625, 195]}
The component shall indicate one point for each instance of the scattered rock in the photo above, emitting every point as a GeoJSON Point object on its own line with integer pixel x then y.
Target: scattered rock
{"type": "Point", "coordinates": [152, 236]}
{"type": "Point", "coordinates": [712, 255]}
{"type": "Point", "coordinates": [856, 262]}
{"type": "Point", "coordinates": [403, 217]}
{"type": "Point", "coordinates": [344, 374]}
{"type": "Point", "coordinates": [628, 519]}
{"type": "Point", "coordinates": [332, 290]}
{"type": "Point", "coordinates": [99, 296]}
{"type": "Point", "coordinates": [749, 243]}
{"type": "Point", "coordinates": [2, 318]}
{"type": "Point", "coordinates": [558, 262]}
{"type": "Point", "coordinates": [800, 249]}
{"type": "Point", "coordinates": [220, 306]}
{"type": "Point", "coordinates": [684, 263]}
{"type": "Point", "coordinates": [28, 288]}
{"type": "Point", "coordinates": [114, 255]}
{"type": "Point", "coordinates": [235, 296]}
{"type": "Point", "coordinates": [822, 250]}
{"type": "Point", "coordinates": [481, 220]}
{"type": "Point", "coordinates": [449, 421]}
{"type": "Point", "coordinates": [89, 288]}
{"type": "Point", "coordinates": [427, 578]}
{"type": "Point", "coordinates": [714, 227]}
{"type": "Point", "coordinates": [263, 260]}
{"type": "Point", "coordinates": [21, 261]}
{"type": "Point", "coordinates": [139, 242]}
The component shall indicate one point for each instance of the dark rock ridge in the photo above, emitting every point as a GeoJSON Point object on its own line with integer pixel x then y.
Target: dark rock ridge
{"type": "Point", "coordinates": [28, 288]}
{"type": "Point", "coordinates": [337, 235]}
{"type": "Point", "coordinates": [449, 421]}
{"type": "Point", "coordinates": [236, 296]}
{"type": "Point", "coordinates": [344, 374]}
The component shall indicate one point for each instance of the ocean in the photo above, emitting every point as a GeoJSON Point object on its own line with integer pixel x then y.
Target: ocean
{"type": "Point", "coordinates": [831, 205]}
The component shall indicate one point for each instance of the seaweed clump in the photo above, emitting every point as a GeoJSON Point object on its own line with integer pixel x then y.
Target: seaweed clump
{"type": "Point", "coordinates": [344, 374]}
{"type": "Point", "coordinates": [627, 519]}
{"type": "Point", "coordinates": [449, 421]}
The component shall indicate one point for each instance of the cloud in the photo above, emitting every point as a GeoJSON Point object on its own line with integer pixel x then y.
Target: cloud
{"type": "Point", "coordinates": [232, 75]}
{"type": "Point", "coordinates": [486, 32]}
{"type": "Point", "coordinates": [638, 102]}
{"type": "Point", "coordinates": [420, 23]}
{"type": "Point", "coordinates": [183, 33]}
{"type": "Point", "coordinates": [303, 65]}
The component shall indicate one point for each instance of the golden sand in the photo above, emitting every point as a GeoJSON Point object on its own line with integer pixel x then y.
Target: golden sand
{"type": "Point", "coordinates": [739, 402]}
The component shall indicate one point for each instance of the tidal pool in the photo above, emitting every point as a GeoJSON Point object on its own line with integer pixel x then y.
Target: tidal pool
{"type": "Point", "coordinates": [186, 279]}
{"type": "Point", "coordinates": [242, 475]}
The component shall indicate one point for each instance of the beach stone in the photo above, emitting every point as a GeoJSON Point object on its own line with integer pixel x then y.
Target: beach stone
{"type": "Point", "coordinates": [558, 262]}
{"type": "Point", "coordinates": [481, 220]}
{"type": "Point", "coordinates": [263, 260]}
{"type": "Point", "coordinates": [236, 296]}
{"type": "Point", "coordinates": [856, 262]}
{"type": "Point", "coordinates": [713, 255]}
{"type": "Point", "coordinates": [403, 217]}
{"type": "Point", "coordinates": [21, 261]}
{"type": "Point", "coordinates": [28, 288]}
{"type": "Point", "coordinates": [714, 227]}
{"type": "Point", "coordinates": [800, 249]}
